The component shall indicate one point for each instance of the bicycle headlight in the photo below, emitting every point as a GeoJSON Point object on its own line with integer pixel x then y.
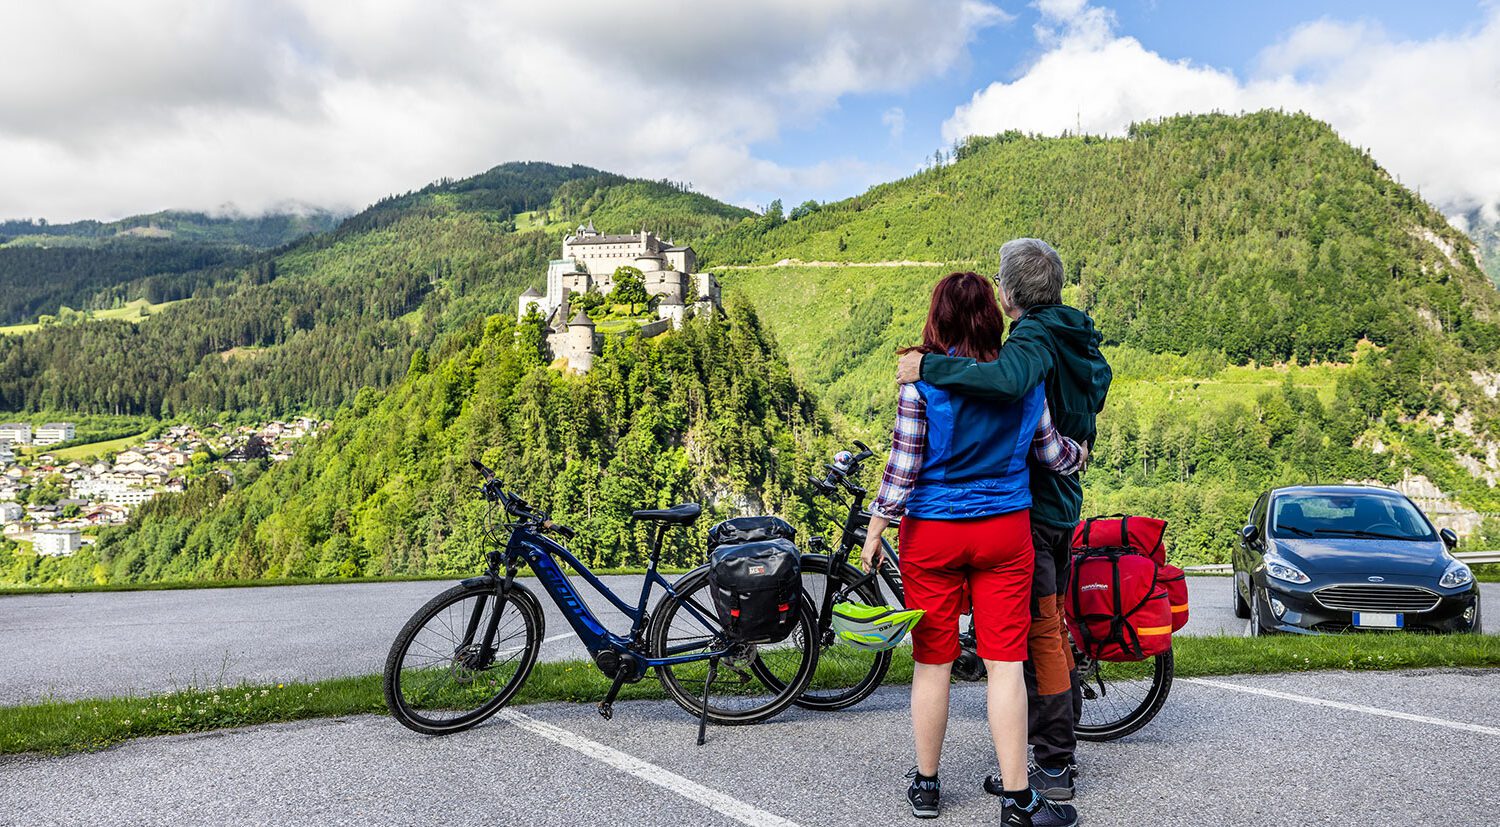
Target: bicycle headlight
{"type": "Point", "coordinates": [1282, 570]}
{"type": "Point", "coordinates": [1457, 575]}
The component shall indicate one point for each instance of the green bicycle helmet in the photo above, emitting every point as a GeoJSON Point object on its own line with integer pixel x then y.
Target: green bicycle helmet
{"type": "Point", "coordinates": [873, 628]}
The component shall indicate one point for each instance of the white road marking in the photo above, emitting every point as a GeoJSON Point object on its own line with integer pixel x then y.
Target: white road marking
{"type": "Point", "coordinates": [647, 771]}
{"type": "Point", "coordinates": [558, 637]}
{"type": "Point", "coordinates": [1368, 710]}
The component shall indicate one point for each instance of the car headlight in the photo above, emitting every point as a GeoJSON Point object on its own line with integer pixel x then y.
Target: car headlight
{"type": "Point", "coordinates": [1457, 575]}
{"type": "Point", "coordinates": [1282, 570]}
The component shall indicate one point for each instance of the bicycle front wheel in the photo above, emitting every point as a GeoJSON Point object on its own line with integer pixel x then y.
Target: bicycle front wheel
{"type": "Point", "coordinates": [753, 682]}
{"type": "Point", "coordinates": [446, 672]}
{"type": "Point", "coordinates": [1120, 698]}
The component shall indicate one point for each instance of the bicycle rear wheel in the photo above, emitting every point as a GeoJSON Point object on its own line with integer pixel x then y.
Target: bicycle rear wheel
{"type": "Point", "coordinates": [1120, 698]}
{"type": "Point", "coordinates": [441, 677]}
{"type": "Point", "coordinates": [753, 683]}
{"type": "Point", "coordinates": [845, 675]}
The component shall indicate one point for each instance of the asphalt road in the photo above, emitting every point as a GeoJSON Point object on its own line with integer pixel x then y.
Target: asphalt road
{"type": "Point", "coordinates": [111, 643]}
{"type": "Point", "coordinates": [1233, 751]}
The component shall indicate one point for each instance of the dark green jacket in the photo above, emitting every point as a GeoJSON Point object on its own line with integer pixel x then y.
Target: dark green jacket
{"type": "Point", "coordinates": [1059, 346]}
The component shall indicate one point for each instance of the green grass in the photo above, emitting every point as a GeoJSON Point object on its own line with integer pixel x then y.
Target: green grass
{"type": "Point", "coordinates": [60, 727]}
{"type": "Point", "coordinates": [10, 589]}
{"type": "Point", "coordinates": [92, 449]}
{"type": "Point", "coordinates": [132, 311]}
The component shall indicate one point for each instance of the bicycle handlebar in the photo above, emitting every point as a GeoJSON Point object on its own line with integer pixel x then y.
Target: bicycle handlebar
{"type": "Point", "coordinates": [517, 506]}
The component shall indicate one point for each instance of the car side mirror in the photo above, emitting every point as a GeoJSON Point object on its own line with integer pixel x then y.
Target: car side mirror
{"type": "Point", "coordinates": [1250, 533]}
{"type": "Point", "coordinates": [1450, 539]}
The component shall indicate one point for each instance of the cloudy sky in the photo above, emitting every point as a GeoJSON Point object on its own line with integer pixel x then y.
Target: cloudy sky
{"type": "Point", "coordinates": [113, 108]}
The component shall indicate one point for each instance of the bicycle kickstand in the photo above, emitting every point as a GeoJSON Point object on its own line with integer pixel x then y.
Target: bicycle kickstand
{"type": "Point", "coordinates": [713, 672]}
{"type": "Point", "coordinates": [607, 706]}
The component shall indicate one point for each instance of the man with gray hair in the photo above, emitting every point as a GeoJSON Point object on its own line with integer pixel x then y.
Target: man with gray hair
{"type": "Point", "coordinates": [1058, 346]}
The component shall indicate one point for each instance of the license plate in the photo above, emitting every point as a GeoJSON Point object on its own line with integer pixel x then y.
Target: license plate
{"type": "Point", "coordinates": [1379, 620]}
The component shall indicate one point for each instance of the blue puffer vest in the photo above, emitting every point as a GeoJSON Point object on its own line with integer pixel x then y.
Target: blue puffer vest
{"type": "Point", "coordinates": [974, 463]}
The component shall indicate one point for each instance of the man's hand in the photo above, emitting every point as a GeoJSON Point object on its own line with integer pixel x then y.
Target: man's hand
{"type": "Point", "coordinates": [909, 369]}
{"type": "Point", "coordinates": [872, 555]}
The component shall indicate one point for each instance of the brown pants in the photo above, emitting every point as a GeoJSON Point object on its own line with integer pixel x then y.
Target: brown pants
{"type": "Point", "coordinates": [1053, 695]}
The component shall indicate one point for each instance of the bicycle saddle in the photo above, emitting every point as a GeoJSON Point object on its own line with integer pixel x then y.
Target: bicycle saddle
{"type": "Point", "coordinates": [680, 514]}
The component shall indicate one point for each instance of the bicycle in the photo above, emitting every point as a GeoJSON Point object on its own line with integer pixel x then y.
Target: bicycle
{"type": "Point", "coordinates": [1117, 698]}
{"type": "Point", "coordinates": [467, 652]}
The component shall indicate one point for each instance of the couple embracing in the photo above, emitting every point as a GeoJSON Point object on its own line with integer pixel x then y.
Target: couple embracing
{"type": "Point", "coordinates": [983, 473]}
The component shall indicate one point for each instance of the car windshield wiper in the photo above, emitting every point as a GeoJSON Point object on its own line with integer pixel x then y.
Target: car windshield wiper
{"type": "Point", "coordinates": [1357, 532]}
{"type": "Point", "coordinates": [1295, 530]}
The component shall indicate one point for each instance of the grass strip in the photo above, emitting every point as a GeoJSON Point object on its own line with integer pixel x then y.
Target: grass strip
{"type": "Point", "coordinates": [286, 581]}
{"type": "Point", "coordinates": [61, 727]}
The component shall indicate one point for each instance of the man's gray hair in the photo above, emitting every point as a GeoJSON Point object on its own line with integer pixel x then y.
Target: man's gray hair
{"type": "Point", "coordinates": [1031, 273]}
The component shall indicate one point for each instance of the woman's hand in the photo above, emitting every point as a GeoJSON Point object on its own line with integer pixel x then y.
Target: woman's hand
{"type": "Point", "coordinates": [873, 553]}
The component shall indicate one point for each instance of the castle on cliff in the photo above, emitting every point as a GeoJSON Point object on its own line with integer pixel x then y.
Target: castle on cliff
{"type": "Point", "coordinates": [588, 264]}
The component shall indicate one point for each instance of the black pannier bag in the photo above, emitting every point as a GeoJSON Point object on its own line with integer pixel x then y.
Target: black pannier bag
{"type": "Point", "coordinates": [749, 530]}
{"type": "Point", "coordinates": [756, 587]}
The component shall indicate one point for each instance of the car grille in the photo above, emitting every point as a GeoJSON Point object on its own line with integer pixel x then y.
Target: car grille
{"type": "Point", "coordinates": [1376, 598]}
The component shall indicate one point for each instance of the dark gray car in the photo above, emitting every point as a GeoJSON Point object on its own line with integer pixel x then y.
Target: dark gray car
{"type": "Point", "coordinates": [1334, 558]}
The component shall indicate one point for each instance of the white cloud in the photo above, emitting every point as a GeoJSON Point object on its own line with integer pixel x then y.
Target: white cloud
{"type": "Point", "coordinates": [114, 108]}
{"type": "Point", "coordinates": [1429, 110]}
{"type": "Point", "coordinates": [894, 120]}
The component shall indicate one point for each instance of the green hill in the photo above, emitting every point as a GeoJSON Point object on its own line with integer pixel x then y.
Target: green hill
{"type": "Point", "coordinates": [388, 280]}
{"type": "Point", "coordinates": [1204, 246]}
{"type": "Point", "coordinates": [709, 413]}
{"type": "Point", "coordinates": [1276, 308]}
{"type": "Point", "coordinates": [94, 265]}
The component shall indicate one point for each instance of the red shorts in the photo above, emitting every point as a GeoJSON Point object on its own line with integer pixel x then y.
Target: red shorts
{"type": "Point", "coordinates": [993, 557]}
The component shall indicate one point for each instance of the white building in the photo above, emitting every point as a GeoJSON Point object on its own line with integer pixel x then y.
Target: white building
{"type": "Point", "coordinates": [11, 512]}
{"type": "Point", "coordinates": [54, 432]}
{"type": "Point", "coordinates": [588, 264]}
{"type": "Point", "coordinates": [58, 542]}
{"type": "Point", "coordinates": [17, 432]}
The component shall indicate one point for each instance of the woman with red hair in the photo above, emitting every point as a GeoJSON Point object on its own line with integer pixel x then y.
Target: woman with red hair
{"type": "Point", "coordinates": [957, 478]}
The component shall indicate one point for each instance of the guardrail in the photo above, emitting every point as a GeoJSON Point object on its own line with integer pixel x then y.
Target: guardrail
{"type": "Point", "coordinates": [1466, 556]}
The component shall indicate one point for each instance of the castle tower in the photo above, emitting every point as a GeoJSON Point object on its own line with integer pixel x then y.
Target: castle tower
{"type": "Point", "coordinates": [529, 299]}
{"type": "Point", "coordinates": [579, 345]}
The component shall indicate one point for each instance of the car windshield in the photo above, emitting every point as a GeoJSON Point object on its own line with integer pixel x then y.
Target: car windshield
{"type": "Point", "coordinates": [1368, 515]}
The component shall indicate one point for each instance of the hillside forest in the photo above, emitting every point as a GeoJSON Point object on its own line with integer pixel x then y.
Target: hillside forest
{"type": "Point", "coordinates": [1277, 309]}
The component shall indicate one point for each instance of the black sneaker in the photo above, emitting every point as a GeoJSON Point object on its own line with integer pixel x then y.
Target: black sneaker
{"type": "Point", "coordinates": [923, 795]}
{"type": "Point", "coordinates": [1039, 812]}
{"type": "Point", "coordinates": [1054, 784]}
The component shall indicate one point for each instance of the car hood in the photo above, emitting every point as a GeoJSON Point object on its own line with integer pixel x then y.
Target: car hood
{"type": "Point", "coordinates": [1365, 557]}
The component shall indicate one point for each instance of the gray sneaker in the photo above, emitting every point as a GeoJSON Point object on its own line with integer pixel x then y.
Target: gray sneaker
{"type": "Point", "coordinates": [1054, 784]}
{"type": "Point", "coordinates": [1038, 812]}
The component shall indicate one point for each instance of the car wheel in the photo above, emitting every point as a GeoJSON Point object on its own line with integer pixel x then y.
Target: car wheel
{"type": "Point", "coordinates": [1478, 627]}
{"type": "Point", "coordinates": [1256, 630]}
{"type": "Point", "coordinates": [1241, 608]}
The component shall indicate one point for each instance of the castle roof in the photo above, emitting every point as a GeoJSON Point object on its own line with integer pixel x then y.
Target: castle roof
{"type": "Point", "coordinates": [675, 248]}
{"type": "Point", "coordinates": [581, 318]}
{"type": "Point", "coordinates": [605, 239]}
{"type": "Point", "coordinates": [531, 293]}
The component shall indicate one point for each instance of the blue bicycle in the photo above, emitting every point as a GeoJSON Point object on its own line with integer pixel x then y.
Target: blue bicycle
{"type": "Point", "coordinates": [468, 651]}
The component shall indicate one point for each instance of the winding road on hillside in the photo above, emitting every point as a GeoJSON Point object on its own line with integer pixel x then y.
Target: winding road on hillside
{"type": "Point", "coordinates": [96, 644]}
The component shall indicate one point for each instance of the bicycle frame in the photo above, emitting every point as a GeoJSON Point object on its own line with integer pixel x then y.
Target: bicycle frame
{"type": "Point", "coordinates": [541, 552]}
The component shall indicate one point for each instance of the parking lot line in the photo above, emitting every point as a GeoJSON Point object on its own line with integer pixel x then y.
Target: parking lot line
{"type": "Point", "coordinates": [1368, 710]}
{"type": "Point", "coordinates": [647, 771]}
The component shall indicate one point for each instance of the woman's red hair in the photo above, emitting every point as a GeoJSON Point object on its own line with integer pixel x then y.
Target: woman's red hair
{"type": "Point", "coordinates": [964, 318]}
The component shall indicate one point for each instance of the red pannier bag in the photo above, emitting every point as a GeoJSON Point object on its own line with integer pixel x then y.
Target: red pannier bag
{"type": "Point", "coordinates": [1144, 534]}
{"type": "Point", "coordinates": [1121, 595]}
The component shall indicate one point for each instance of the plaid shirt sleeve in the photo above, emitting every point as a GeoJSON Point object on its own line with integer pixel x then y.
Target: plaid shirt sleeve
{"type": "Point", "coordinates": [1059, 453]}
{"type": "Point", "coordinates": [907, 442]}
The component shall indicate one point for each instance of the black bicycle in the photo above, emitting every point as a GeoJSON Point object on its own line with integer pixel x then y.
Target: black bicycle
{"type": "Point", "coordinates": [1118, 698]}
{"type": "Point", "coordinates": [468, 652]}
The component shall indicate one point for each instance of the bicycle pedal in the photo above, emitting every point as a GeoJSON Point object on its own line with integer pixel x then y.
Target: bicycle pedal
{"type": "Point", "coordinates": [607, 710]}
